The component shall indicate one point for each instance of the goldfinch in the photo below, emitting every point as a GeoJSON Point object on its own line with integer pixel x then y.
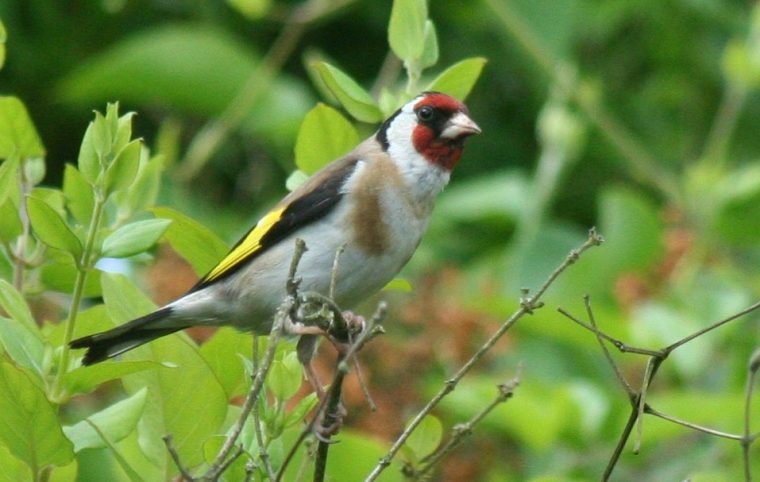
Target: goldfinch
{"type": "Point", "coordinates": [375, 202]}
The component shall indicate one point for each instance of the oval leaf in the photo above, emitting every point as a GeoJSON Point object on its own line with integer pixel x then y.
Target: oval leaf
{"type": "Point", "coordinates": [29, 426]}
{"type": "Point", "coordinates": [79, 197]}
{"type": "Point", "coordinates": [18, 137]}
{"type": "Point", "coordinates": [459, 79]}
{"type": "Point", "coordinates": [430, 49]}
{"type": "Point", "coordinates": [121, 173]}
{"type": "Point", "coordinates": [115, 422]}
{"type": "Point", "coordinates": [134, 238]}
{"type": "Point", "coordinates": [350, 94]}
{"type": "Point", "coordinates": [51, 228]}
{"type": "Point", "coordinates": [325, 135]}
{"type": "Point", "coordinates": [406, 30]}
{"type": "Point", "coordinates": [22, 344]}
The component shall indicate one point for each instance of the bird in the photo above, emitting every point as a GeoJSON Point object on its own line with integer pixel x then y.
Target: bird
{"type": "Point", "coordinates": [374, 203]}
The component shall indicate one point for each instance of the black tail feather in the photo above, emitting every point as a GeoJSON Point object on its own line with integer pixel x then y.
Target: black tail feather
{"type": "Point", "coordinates": [108, 344]}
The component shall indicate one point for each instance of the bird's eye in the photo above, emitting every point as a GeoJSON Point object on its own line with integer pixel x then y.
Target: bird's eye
{"type": "Point", "coordinates": [425, 113]}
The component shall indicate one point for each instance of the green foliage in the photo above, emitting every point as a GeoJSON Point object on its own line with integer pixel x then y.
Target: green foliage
{"type": "Point", "coordinates": [20, 138]}
{"type": "Point", "coordinates": [30, 427]}
{"type": "Point", "coordinates": [646, 128]}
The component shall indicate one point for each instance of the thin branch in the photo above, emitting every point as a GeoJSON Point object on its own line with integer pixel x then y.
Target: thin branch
{"type": "Point", "coordinates": [184, 473]}
{"type": "Point", "coordinates": [720, 323]}
{"type": "Point", "coordinates": [747, 440]}
{"type": "Point", "coordinates": [700, 428]}
{"type": "Point", "coordinates": [623, 347]}
{"type": "Point", "coordinates": [527, 305]}
{"type": "Point", "coordinates": [463, 430]}
{"type": "Point", "coordinates": [263, 452]}
{"type": "Point", "coordinates": [599, 338]}
{"type": "Point", "coordinates": [328, 410]}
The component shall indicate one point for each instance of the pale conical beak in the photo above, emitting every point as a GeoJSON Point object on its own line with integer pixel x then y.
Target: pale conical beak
{"type": "Point", "coordinates": [459, 126]}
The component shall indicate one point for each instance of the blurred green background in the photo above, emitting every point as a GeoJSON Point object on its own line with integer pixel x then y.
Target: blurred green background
{"type": "Point", "coordinates": [639, 117]}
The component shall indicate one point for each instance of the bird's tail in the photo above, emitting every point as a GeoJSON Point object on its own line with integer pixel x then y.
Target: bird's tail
{"type": "Point", "coordinates": [108, 344]}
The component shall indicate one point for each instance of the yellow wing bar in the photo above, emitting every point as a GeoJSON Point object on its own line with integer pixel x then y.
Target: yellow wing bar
{"type": "Point", "coordinates": [246, 247]}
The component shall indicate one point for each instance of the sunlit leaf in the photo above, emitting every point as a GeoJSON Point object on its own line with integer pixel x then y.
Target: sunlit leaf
{"type": "Point", "coordinates": [115, 422]}
{"type": "Point", "coordinates": [29, 425]}
{"type": "Point", "coordinates": [14, 304]}
{"type": "Point", "coordinates": [85, 379]}
{"type": "Point", "coordinates": [134, 238]}
{"type": "Point", "coordinates": [51, 228]}
{"type": "Point", "coordinates": [172, 402]}
{"type": "Point", "coordinates": [459, 79]}
{"type": "Point", "coordinates": [430, 50]}
{"type": "Point", "coordinates": [79, 197]}
{"type": "Point", "coordinates": [122, 171]}
{"type": "Point", "coordinates": [351, 95]}
{"type": "Point", "coordinates": [18, 136]}
{"type": "Point", "coordinates": [9, 177]}
{"type": "Point", "coordinates": [406, 30]}
{"type": "Point", "coordinates": [324, 136]}
{"type": "Point", "coordinates": [22, 344]}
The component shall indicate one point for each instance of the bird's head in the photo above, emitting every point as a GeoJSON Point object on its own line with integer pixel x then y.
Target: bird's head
{"type": "Point", "coordinates": [432, 127]}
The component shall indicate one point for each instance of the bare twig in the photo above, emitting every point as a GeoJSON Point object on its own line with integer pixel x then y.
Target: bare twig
{"type": "Point", "coordinates": [225, 456]}
{"type": "Point", "coordinates": [600, 338]}
{"type": "Point", "coordinates": [464, 430]}
{"type": "Point", "coordinates": [184, 473]}
{"type": "Point", "coordinates": [752, 368]}
{"type": "Point", "coordinates": [263, 452]}
{"type": "Point", "coordinates": [527, 305]}
{"type": "Point", "coordinates": [638, 399]}
{"type": "Point", "coordinates": [327, 411]}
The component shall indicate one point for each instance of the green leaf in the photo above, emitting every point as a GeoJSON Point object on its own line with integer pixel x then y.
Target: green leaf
{"type": "Point", "coordinates": [29, 426]}
{"type": "Point", "coordinates": [51, 228]}
{"type": "Point", "coordinates": [23, 345]}
{"type": "Point", "coordinates": [85, 379]}
{"type": "Point", "coordinates": [3, 37]}
{"type": "Point", "coordinates": [425, 438]}
{"type": "Point", "coordinates": [295, 179]}
{"type": "Point", "coordinates": [78, 192]}
{"type": "Point", "coordinates": [61, 275]}
{"type": "Point", "coordinates": [325, 135]}
{"type": "Point", "coordinates": [10, 222]}
{"type": "Point", "coordinates": [115, 422]}
{"type": "Point", "coordinates": [11, 468]}
{"type": "Point", "coordinates": [172, 401]}
{"type": "Point", "coordinates": [406, 30]}
{"type": "Point", "coordinates": [430, 49]}
{"type": "Point", "coordinates": [122, 171]}
{"type": "Point", "coordinates": [193, 241]}
{"type": "Point", "coordinates": [251, 9]}
{"type": "Point", "coordinates": [179, 66]}
{"type": "Point", "coordinates": [351, 95]}
{"type": "Point", "coordinates": [14, 304]}
{"type": "Point", "coordinates": [18, 137]}
{"type": "Point", "coordinates": [134, 238]}
{"type": "Point", "coordinates": [459, 79]}
{"type": "Point", "coordinates": [34, 169]}
{"type": "Point", "coordinates": [399, 284]}
{"type": "Point", "coordinates": [9, 177]}
{"type": "Point", "coordinates": [303, 407]}
{"type": "Point", "coordinates": [143, 193]}
{"type": "Point", "coordinates": [285, 377]}
{"type": "Point", "coordinates": [88, 161]}
{"type": "Point", "coordinates": [221, 353]}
